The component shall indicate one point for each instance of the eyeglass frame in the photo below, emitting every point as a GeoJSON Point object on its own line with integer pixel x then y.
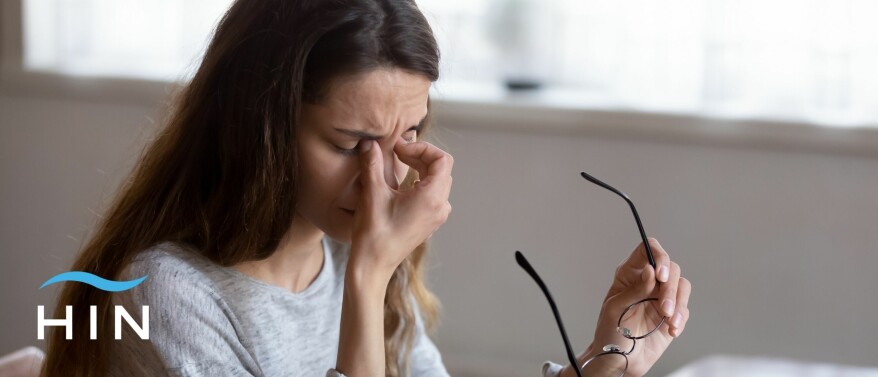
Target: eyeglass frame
{"type": "Point", "coordinates": [610, 348]}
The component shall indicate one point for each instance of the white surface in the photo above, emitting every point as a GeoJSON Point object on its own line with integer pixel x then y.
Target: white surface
{"type": "Point", "coordinates": [736, 366]}
{"type": "Point", "coordinates": [25, 362]}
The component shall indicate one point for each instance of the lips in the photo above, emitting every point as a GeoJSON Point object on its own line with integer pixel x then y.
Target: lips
{"type": "Point", "coordinates": [349, 211]}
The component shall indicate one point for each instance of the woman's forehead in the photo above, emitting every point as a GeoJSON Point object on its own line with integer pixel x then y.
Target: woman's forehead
{"type": "Point", "coordinates": [377, 99]}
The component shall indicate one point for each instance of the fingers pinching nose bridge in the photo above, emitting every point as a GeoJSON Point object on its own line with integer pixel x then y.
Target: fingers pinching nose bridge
{"type": "Point", "coordinates": [390, 171]}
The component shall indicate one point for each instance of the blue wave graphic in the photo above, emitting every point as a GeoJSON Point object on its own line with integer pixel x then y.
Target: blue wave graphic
{"type": "Point", "coordinates": [94, 281]}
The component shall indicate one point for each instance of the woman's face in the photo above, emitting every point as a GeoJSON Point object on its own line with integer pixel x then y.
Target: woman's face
{"type": "Point", "coordinates": [383, 105]}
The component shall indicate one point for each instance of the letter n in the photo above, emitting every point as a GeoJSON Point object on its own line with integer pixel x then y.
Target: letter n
{"type": "Point", "coordinates": [142, 331]}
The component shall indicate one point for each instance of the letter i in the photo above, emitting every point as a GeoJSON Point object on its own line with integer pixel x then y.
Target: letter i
{"type": "Point", "coordinates": [93, 322]}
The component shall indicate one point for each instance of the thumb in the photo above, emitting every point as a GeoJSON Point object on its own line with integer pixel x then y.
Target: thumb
{"type": "Point", "coordinates": [372, 165]}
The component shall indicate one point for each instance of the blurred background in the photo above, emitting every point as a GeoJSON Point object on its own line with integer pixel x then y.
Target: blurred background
{"type": "Point", "coordinates": [745, 131]}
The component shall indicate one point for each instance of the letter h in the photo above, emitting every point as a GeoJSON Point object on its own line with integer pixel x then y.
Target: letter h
{"type": "Point", "coordinates": [42, 322]}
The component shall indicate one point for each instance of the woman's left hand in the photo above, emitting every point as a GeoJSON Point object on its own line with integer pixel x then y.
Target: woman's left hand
{"type": "Point", "coordinates": [636, 280]}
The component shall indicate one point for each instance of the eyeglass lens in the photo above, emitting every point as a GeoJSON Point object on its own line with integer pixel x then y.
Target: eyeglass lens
{"type": "Point", "coordinates": [641, 319]}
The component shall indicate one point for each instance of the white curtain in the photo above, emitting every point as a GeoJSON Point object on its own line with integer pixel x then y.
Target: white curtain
{"type": "Point", "coordinates": [810, 60]}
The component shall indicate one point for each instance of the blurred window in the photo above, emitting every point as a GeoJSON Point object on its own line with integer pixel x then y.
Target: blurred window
{"type": "Point", "coordinates": [809, 60]}
{"type": "Point", "coordinates": [154, 39]}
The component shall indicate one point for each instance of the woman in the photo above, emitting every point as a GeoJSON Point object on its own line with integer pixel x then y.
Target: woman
{"type": "Point", "coordinates": [281, 216]}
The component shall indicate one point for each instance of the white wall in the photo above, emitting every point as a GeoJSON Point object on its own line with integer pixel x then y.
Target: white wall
{"type": "Point", "coordinates": [778, 242]}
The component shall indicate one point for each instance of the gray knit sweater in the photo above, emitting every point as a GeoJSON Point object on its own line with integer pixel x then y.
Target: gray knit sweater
{"type": "Point", "coordinates": [209, 320]}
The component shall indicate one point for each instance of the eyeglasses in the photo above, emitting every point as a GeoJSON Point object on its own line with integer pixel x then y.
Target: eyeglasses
{"type": "Point", "coordinates": [613, 361]}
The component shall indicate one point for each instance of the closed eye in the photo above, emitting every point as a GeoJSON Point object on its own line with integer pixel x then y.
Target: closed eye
{"type": "Point", "coordinates": [348, 152]}
{"type": "Point", "coordinates": [409, 136]}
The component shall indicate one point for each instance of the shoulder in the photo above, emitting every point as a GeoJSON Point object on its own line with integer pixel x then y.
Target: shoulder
{"type": "Point", "coordinates": [180, 286]}
{"type": "Point", "coordinates": [189, 321]}
{"type": "Point", "coordinates": [169, 258]}
{"type": "Point", "coordinates": [172, 271]}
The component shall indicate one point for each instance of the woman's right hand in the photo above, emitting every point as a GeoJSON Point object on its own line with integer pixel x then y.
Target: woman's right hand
{"type": "Point", "coordinates": [389, 223]}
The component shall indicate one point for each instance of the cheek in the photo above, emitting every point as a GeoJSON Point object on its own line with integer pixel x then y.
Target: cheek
{"type": "Point", "coordinates": [325, 175]}
{"type": "Point", "coordinates": [330, 177]}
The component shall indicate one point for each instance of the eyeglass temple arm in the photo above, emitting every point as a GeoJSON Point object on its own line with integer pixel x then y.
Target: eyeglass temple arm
{"type": "Point", "coordinates": [634, 210]}
{"type": "Point", "coordinates": [522, 261]}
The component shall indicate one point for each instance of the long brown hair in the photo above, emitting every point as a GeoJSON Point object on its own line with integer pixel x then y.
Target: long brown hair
{"type": "Point", "coordinates": [222, 175]}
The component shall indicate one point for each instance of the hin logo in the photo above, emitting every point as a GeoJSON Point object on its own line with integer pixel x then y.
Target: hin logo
{"type": "Point", "coordinates": [104, 285]}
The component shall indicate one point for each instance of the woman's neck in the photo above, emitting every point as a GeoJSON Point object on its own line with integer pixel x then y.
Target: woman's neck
{"type": "Point", "coordinates": [295, 263]}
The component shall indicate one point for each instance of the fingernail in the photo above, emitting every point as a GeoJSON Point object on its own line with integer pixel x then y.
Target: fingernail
{"type": "Point", "coordinates": [678, 320]}
{"type": "Point", "coordinates": [663, 273]}
{"type": "Point", "coordinates": [668, 307]}
{"type": "Point", "coordinates": [366, 146]}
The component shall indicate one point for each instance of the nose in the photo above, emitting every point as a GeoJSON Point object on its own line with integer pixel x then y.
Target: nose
{"type": "Point", "coordinates": [390, 164]}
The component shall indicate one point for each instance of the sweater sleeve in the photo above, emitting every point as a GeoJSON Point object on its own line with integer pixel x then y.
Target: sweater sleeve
{"type": "Point", "coordinates": [551, 369]}
{"type": "Point", "coordinates": [192, 332]}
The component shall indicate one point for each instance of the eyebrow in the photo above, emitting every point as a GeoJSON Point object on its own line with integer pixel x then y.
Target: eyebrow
{"type": "Point", "coordinates": [369, 136]}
